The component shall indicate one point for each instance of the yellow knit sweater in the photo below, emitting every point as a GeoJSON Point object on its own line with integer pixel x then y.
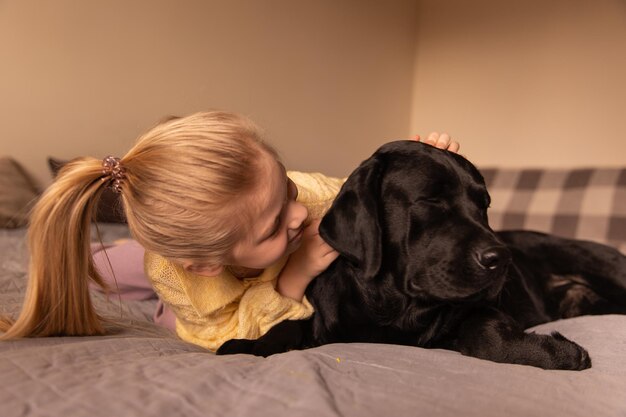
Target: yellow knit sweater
{"type": "Point", "coordinates": [212, 310]}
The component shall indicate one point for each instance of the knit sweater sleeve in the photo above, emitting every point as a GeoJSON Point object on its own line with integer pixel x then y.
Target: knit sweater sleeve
{"type": "Point", "coordinates": [212, 310]}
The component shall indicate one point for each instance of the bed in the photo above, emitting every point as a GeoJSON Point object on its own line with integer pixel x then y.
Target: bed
{"type": "Point", "coordinates": [145, 370]}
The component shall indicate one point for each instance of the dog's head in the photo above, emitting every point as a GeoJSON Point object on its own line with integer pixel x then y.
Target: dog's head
{"type": "Point", "coordinates": [416, 217]}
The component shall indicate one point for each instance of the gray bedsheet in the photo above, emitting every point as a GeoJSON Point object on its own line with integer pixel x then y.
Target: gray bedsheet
{"type": "Point", "coordinates": [144, 370]}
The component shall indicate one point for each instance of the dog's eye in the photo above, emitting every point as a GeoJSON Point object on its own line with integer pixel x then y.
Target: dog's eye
{"type": "Point", "coordinates": [429, 200]}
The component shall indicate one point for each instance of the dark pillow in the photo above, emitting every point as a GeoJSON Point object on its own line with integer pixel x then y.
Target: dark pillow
{"type": "Point", "coordinates": [18, 193]}
{"type": "Point", "coordinates": [109, 208]}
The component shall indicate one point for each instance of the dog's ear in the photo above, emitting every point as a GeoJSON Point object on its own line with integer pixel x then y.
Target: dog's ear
{"type": "Point", "coordinates": [352, 224]}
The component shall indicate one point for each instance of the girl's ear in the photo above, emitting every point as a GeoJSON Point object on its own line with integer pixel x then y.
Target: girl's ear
{"type": "Point", "coordinates": [205, 270]}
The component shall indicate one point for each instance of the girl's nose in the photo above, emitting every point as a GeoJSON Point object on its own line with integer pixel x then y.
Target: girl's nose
{"type": "Point", "coordinates": [299, 215]}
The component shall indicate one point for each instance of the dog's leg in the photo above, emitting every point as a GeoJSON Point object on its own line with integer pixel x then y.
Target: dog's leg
{"type": "Point", "coordinates": [492, 335]}
{"type": "Point", "coordinates": [600, 268]}
{"type": "Point", "coordinates": [574, 296]}
{"type": "Point", "coordinates": [285, 336]}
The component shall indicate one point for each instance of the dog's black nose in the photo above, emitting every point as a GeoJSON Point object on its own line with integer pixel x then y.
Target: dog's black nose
{"type": "Point", "coordinates": [494, 257]}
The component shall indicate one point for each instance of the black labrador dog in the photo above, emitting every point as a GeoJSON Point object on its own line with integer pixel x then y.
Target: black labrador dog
{"type": "Point", "coordinates": [419, 265]}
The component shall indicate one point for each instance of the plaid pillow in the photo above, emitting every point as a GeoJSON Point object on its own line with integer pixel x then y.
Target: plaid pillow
{"type": "Point", "coordinates": [587, 204]}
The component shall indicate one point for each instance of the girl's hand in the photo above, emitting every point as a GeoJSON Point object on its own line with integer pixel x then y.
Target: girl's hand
{"type": "Point", "coordinates": [441, 141]}
{"type": "Point", "coordinates": [314, 255]}
{"type": "Point", "coordinates": [308, 261]}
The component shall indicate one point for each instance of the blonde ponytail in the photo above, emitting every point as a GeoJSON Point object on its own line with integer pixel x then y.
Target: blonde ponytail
{"type": "Point", "coordinates": [188, 191]}
{"type": "Point", "coordinates": [57, 299]}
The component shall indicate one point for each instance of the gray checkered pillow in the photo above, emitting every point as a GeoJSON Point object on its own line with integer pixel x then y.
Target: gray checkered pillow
{"type": "Point", "coordinates": [585, 204]}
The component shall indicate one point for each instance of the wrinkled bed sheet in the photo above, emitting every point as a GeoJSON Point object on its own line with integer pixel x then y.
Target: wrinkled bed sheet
{"type": "Point", "coordinates": [144, 370]}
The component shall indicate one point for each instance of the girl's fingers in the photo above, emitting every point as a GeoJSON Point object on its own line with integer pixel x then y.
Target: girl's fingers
{"type": "Point", "coordinates": [432, 138]}
{"type": "Point", "coordinates": [443, 141]}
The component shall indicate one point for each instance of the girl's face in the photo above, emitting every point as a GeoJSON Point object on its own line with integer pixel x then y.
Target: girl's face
{"type": "Point", "coordinates": [277, 230]}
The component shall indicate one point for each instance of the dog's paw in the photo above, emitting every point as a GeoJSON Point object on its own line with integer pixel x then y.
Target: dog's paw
{"type": "Point", "coordinates": [566, 354]}
{"type": "Point", "coordinates": [234, 346]}
{"type": "Point", "coordinates": [257, 347]}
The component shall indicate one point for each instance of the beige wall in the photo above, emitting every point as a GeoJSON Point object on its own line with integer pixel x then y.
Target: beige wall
{"type": "Point", "coordinates": [524, 83]}
{"type": "Point", "coordinates": [520, 83]}
{"type": "Point", "coordinates": [329, 80]}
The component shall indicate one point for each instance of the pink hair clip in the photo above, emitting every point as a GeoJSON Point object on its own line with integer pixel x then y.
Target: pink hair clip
{"type": "Point", "coordinates": [114, 173]}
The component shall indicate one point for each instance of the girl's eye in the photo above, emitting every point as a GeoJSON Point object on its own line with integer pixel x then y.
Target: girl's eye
{"type": "Point", "coordinates": [429, 200]}
{"type": "Point", "coordinates": [276, 228]}
{"type": "Point", "coordinates": [279, 224]}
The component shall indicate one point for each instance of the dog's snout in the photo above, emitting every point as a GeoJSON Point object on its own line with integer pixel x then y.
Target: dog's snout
{"type": "Point", "coordinates": [494, 257]}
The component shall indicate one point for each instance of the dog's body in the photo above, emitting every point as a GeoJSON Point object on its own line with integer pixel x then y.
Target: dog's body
{"type": "Point", "coordinates": [420, 266]}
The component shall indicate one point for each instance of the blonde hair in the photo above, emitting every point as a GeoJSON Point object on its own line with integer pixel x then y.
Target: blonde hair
{"type": "Point", "coordinates": [186, 194]}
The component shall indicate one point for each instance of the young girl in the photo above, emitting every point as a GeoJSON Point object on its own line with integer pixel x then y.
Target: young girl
{"type": "Point", "coordinates": [231, 241]}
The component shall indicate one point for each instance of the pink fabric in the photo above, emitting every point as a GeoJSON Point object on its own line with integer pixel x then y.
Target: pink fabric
{"type": "Point", "coordinates": [121, 267]}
